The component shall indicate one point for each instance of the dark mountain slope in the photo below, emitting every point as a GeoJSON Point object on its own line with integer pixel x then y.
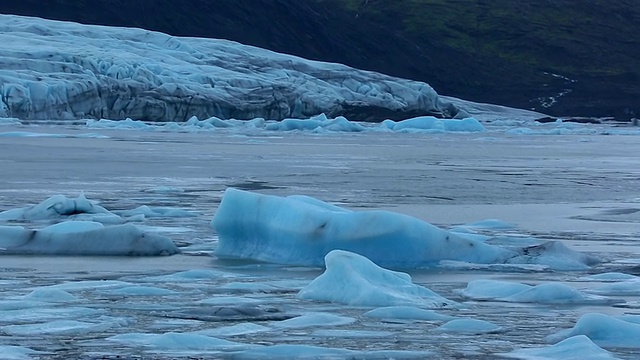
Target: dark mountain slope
{"type": "Point", "coordinates": [562, 57]}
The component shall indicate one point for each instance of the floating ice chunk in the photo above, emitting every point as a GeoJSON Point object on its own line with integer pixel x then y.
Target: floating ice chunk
{"type": "Point", "coordinates": [228, 300]}
{"type": "Point", "coordinates": [524, 268]}
{"type": "Point", "coordinates": [285, 351]}
{"type": "Point", "coordinates": [406, 312]}
{"type": "Point", "coordinates": [492, 289]}
{"type": "Point", "coordinates": [308, 352]}
{"type": "Point", "coordinates": [555, 255]}
{"type": "Point", "coordinates": [18, 352]}
{"type": "Point", "coordinates": [30, 311]}
{"type": "Point", "coordinates": [9, 121]}
{"type": "Point", "coordinates": [57, 327]}
{"type": "Point", "coordinates": [578, 347]}
{"type": "Point", "coordinates": [176, 341]}
{"type": "Point", "coordinates": [235, 330]}
{"type": "Point", "coordinates": [128, 124]}
{"type": "Point", "coordinates": [547, 293]}
{"type": "Point", "coordinates": [84, 238]}
{"type": "Point", "coordinates": [353, 279]}
{"type": "Point", "coordinates": [342, 334]}
{"type": "Point", "coordinates": [49, 135]}
{"type": "Point", "coordinates": [301, 231]}
{"type": "Point", "coordinates": [610, 276]}
{"type": "Point", "coordinates": [59, 206]}
{"type": "Point", "coordinates": [165, 189]}
{"type": "Point", "coordinates": [157, 212]}
{"type": "Point", "coordinates": [630, 318]}
{"type": "Point", "coordinates": [470, 326]}
{"type": "Point", "coordinates": [9, 305]}
{"type": "Point", "coordinates": [604, 330]}
{"type": "Point", "coordinates": [50, 295]}
{"type": "Point", "coordinates": [493, 224]}
{"type": "Point", "coordinates": [244, 312]}
{"type": "Point", "coordinates": [250, 287]}
{"type": "Point", "coordinates": [628, 287]}
{"type": "Point", "coordinates": [556, 293]}
{"type": "Point", "coordinates": [70, 227]}
{"type": "Point", "coordinates": [431, 123]}
{"type": "Point", "coordinates": [189, 275]}
{"type": "Point", "coordinates": [214, 122]}
{"type": "Point", "coordinates": [470, 236]}
{"type": "Point", "coordinates": [90, 285]}
{"type": "Point", "coordinates": [141, 291]}
{"type": "Point", "coordinates": [313, 320]}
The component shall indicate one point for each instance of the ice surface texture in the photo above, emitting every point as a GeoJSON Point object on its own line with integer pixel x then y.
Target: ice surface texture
{"type": "Point", "coordinates": [300, 230]}
{"type": "Point", "coordinates": [59, 70]}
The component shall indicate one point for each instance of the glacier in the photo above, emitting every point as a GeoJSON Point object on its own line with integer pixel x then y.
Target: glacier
{"type": "Point", "coordinates": [61, 70]}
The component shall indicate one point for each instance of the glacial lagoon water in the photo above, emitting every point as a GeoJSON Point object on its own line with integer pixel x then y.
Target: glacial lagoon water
{"type": "Point", "coordinates": [579, 188]}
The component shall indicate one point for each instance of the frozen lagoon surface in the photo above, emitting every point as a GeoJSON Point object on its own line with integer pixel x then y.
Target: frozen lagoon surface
{"type": "Point", "coordinates": [500, 186]}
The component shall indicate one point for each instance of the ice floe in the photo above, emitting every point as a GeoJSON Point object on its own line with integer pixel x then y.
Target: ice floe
{"type": "Point", "coordinates": [620, 288]}
{"type": "Point", "coordinates": [10, 352]}
{"type": "Point", "coordinates": [174, 341]}
{"type": "Point", "coordinates": [604, 330]}
{"type": "Point", "coordinates": [235, 330]}
{"type": "Point", "coordinates": [300, 230]}
{"type": "Point", "coordinates": [58, 327]}
{"type": "Point", "coordinates": [140, 291]}
{"type": "Point", "coordinates": [84, 238]}
{"type": "Point", "coordinates": [61, 207]}
{"type": "Point", "coordinates": [578, 347]}
{"type": "Point", "coordinates": [546, 293]}
{"type": "Point", "coordinates": [308, 352]}
{"type": "Point", "coordinates": [432, 124]}
{"type": "Point", "coordinates": [157, 211]}
{"type": "Point", "coordinates": [406, 313]}
{"type": "Point", "coordinates": [49, 295]}
{"type": "Point", "coordinates": [314, 320]}
{"type": "Point", "coordinates": [610, 276]}
{"type": "Point", "coordinates": [354, 280]}
{"type": "Point", "coordinates": [469, 326]}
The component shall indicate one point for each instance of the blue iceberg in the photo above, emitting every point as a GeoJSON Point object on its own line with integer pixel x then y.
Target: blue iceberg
{"type": "Point", "coordinates": [300, 230]}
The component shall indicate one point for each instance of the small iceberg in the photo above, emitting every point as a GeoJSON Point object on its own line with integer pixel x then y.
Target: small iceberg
{"type": "Point", "coordinates": [604, 330]}
{"type": "Point", "coordinates": [470, 326]}
{"type": "Point", "coordinates": [355, 280]}
{"type": "Point", "coordinates": [300, 230]}
{"type": "Point", "coordinates": [84, 238]}
{"type": "Point", "coordinates": [547, 293]}
{"type": "Point", "coordinates": [578, 347]}
{"type": "Point", "coordinates": [61, 207]}
{"type": "Point", "coordinates": [406, 313]}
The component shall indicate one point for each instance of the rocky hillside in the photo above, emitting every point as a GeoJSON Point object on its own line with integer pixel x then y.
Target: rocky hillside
{"type": "Point", "coordinates": [562, 57]}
